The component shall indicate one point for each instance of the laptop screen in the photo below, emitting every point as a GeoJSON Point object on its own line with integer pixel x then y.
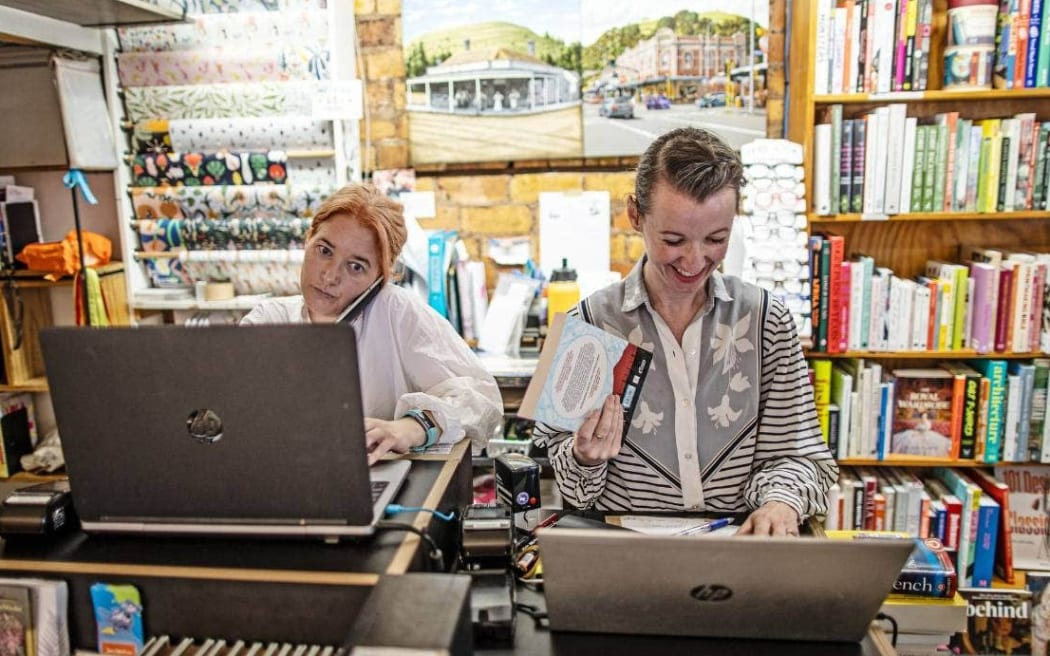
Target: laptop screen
{"type": "Point", "coordinates": [213, 425]}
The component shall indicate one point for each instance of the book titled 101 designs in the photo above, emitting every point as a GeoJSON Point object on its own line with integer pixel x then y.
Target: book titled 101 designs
{"type": "Point", "coordinates": [579, 367]}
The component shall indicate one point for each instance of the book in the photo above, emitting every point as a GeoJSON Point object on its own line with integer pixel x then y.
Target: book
{"type": "Point", "coordinates": [922, 419]}
{"type": "Point", "coordinates": [998, 622]}
{"type": "Point", "coordinates": [1029, 513]}
{"type": "Point", "coordinates": [1000, 492]}
{"type": "Point", "coordinates": [579, 366]}
{"type": "Point", "coordinates": [928, 572]}
{"type": "Point", "coordinates": [118, 618]}
{"type": "Point", "coordinates": [1036, 583]}
{"type": "Point", "coordinates": [16, 621]}
{"type": "Point", "coordinates": [50, 614]}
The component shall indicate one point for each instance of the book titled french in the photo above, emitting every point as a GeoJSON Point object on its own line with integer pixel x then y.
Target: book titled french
{"type": "Point", "coordinates": [581, 365]}
{"type": "Point", "coordinates": [928, 572]}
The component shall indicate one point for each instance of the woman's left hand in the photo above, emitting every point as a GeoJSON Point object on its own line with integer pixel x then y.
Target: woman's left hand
{"type": "Point", "coordinates": [398, 436]}
{"type": "Point", "coordinates": [773, 518]}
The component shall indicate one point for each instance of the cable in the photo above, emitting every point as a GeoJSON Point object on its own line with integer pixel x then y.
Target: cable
{"type": "Point", "coordinates": [893, 623]}
{"type": "Point", "coordinates": [437, 558]}
{"type": "Point", "coordinates": [393, 509]}
{"type": "Point", "coordinates": [538, 616]}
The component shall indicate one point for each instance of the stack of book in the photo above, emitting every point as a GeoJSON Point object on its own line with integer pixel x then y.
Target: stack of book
{"type": "Point", "coordinates": [924, 602]}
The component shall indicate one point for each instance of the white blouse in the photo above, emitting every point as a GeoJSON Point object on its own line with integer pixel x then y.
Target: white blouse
{"type": "Point", "coordinates": [409, 357]}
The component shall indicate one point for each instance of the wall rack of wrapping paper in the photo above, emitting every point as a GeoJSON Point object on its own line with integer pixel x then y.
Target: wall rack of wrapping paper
{"type": "Point", "coordinates": [227, 164]}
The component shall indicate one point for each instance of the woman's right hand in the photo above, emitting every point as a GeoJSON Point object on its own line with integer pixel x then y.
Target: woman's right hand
{"type": "Point", "coordinates": [598, 439]}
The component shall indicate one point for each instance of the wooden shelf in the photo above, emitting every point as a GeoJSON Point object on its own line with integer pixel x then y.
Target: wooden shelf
{"type": "Point", "coordinates": [912, 462]}
{"type": "Point", "coordinates": [990, 95]}
{"type": "Point", "coordinates": [27, 279]}
{"type": "Point", "coordinates": [38, 384]}
{"type": "Point", "coordinates": [189, 304]}
{"type": "Point", "coordinates": [932, 216]}
{"type": "Point", "coordinates": [101, 13]}
{"type": "Point", "coordinates": [965, 354]}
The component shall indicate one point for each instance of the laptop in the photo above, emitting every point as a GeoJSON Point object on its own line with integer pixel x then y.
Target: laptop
{"type": "Point", "coordinates": [224, 430]}
{"type": "Point", "coordinates": [812, 589]}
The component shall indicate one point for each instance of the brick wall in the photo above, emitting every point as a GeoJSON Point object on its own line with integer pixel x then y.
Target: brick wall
{"type": "Point", "coordinates": [498, 199]}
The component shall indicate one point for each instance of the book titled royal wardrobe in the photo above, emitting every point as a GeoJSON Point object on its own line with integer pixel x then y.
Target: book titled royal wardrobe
{"type": "Point", "coordinates": [923, 421]}
{"type": "Point", "coordinates": [580, 366]}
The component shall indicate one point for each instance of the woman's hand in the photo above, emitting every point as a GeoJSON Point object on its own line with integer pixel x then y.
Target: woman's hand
{"type": "Point", "coordinates": [599, 437]}
{"type": "Point", "coordinates": [773, 518]}
{"type": "Point", "coordinates": [398, 436]}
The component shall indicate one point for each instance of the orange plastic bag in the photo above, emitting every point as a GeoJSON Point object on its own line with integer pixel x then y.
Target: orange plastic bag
{"type": "Point", "coordinates": [60, 258]}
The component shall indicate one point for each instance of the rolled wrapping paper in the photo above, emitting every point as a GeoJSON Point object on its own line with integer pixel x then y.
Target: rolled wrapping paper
{"type": "Point", "coordinates": [230, 30]}
{"type": "Point", "coordinates": [219, 168]}
{"type": "Point", "coordinates": [251, 272]}
{"type": "Point", "coordinates": [258, 63]}
{"type": "Point", "coordinates": [243, 234]}
{"type": "Point", "coordinates": [159, 237]}
{"type": "Point", "coordinates": [263, 201]}
{"type": "Point", "coordinates": [233, 134]}
{"type": "Point", "coordinates": [220, 100]}
{"type": "Point", "coordinates": [312, 172]}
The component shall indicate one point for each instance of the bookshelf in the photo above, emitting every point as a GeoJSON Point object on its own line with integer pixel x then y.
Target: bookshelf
{"type": "Point", "coordinates": [903, 242]}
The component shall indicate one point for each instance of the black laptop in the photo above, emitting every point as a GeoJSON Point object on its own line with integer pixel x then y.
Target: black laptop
{"type": "Point", "coordinates": [225, 430]}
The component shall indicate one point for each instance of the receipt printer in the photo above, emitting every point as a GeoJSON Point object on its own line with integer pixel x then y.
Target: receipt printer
{"type": "Point", "coordinates": [517, 481]}
{"type": "Point", "coordinates": [40, 509]}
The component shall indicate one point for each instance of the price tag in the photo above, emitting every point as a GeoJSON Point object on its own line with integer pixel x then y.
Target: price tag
{"type": "Point", "coordinates": [337, 100]}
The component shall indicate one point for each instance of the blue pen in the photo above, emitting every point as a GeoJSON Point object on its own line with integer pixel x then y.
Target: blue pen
{"type": "Point", "coordinates": [707, 527]}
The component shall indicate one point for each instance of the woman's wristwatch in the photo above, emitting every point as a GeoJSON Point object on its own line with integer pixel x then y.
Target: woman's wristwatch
{"type": "Point", "coordinates": [430, 429]}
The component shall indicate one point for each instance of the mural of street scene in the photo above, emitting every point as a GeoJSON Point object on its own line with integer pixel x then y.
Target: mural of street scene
{"type": "Point", "coordinates": [652, 66]}
{"type": "Point", "coordinates": [493, 80]}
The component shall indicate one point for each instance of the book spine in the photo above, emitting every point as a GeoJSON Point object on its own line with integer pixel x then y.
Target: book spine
{"type": "Point", "coordinates": [968, 432]}
{"type": "Point", "coordinates": [918, 167]}
{"type": "Point", "coordinates": [1042, 73]}
{"type": "Point", "coordinates": [987, 532]}
{"type": "Point", "coordinates": [1002, 319]}
{"type": "Point", "coordinates": [1035, 23]}
{"type": "Point", "coordinates": [825, 295]}
{"type": "Point", "coordinates": [846, 167]}
{"type": "Point", "coordinates": [815, 245]}
{"type": "Point", "coordinates": [860, 131]}
{"type": "Point", "coordinates": [1002, 74]}
{"type": "Point", "coordinates": [836, 158]}
{"type": "Point", "coordinates": [822, 155]}
{"type": "Point", "coordinates": [836, 249]}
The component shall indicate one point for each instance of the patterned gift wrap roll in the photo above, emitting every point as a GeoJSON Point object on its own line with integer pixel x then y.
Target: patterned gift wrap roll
{"type": "Point", "coordinates": [220, 100]}
{"type": "Point", "coordinates": [312, 172]}
{"type": "Point", "coordinates": [251, 272]}
{"type": "Point", "coordinates": [158, 237]}
{"type": "Point", "coordinates": [264, 201]}
{"type": "Point", "coordinates": [209, 134]}
{"type": "Point", "coordinates": [261, 63]}
{"type": "Point", "coordinates": [230, 30]}
{"type": "Point", "coordinates": [231, 6]}
{"type": "Point", "coordinates": [220, 168]}
{"type": "Point", "coordinates": [244, 234]}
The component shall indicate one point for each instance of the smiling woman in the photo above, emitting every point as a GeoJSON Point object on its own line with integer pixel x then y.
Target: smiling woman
{"type": "Point", "coordinates": [726, 421]}
{"type": "Point", "coordinates": [424, 384]}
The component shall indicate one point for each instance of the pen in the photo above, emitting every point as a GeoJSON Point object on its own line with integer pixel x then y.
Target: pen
{"type": "Point", "coordinates": [707, 527]}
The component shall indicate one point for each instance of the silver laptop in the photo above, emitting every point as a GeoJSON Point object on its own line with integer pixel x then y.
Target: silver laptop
{"type": "Point", "coordinates": [774, 588]}
{"type": "Point", "coordinates": [225, 430]}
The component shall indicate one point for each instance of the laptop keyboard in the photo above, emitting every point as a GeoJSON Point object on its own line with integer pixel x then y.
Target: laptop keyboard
{"type": "Point", "coordinates": [377, 489]}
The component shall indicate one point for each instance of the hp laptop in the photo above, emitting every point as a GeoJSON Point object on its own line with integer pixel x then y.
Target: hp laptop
{"type": "Point", "coordinates": [812, 589]}
{"type": "Point", "coordinates": [225, 430]}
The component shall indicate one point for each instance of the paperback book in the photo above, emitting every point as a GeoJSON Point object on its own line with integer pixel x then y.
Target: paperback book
{"type": "Point", "coordinates": [579, 366]}
{"type": "Point", "coordinates": [1029, 514]}
{"type": "Point", "coordinates": [998, 622]}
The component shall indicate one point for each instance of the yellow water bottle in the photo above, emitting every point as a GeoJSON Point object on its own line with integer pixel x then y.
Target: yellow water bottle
{"type": "Point", "coordinates": [563, 291]}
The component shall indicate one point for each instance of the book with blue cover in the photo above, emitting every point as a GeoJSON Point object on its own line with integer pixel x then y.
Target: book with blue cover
{"type": "Point", "coordinates": [580, 366]}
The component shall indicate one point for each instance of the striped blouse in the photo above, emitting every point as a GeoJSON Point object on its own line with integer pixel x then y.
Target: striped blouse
{"type": "Point", "coordinates": [703, 437]}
